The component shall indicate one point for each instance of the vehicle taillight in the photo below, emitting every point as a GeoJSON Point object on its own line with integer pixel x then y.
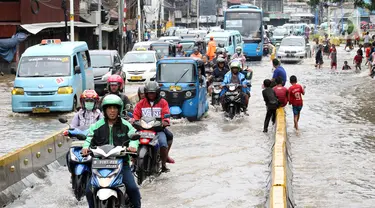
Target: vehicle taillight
{"type": "Point", "coordinates": [66, 133]}
{"type": "Point", "coordinates": [144, 141]}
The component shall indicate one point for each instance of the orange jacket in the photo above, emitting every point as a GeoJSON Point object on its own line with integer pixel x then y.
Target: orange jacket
{"type": "Point", "coordinates": [211, 49]}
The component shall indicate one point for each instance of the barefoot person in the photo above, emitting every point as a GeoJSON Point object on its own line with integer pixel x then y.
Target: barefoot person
{"type": "Point", "coordinates": [295, 99]}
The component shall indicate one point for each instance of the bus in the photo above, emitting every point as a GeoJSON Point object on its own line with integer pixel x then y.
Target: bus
{"type": "Point", "coordinates": [248, 20]}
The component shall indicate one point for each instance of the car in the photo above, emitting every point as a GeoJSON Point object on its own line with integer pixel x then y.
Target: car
{"type": "Point", "coordinates": [293, 48]}
{"type": "Point", "coordinates": [278, 34]}
{"type": "Point", "coordinates": [139, 66]}
{"type": "Point", "coordinates": [104, 64]}
{"type": "Point", "coordinates": [173, 39]}
{"type": "Point", "coordinates": [142, 45]}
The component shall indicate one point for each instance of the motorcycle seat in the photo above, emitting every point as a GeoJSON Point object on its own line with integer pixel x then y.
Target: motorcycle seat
{"type": "Point", "coordinates": [77, 143]}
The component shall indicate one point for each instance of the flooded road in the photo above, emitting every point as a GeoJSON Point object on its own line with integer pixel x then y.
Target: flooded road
{"type": "Point", "coordinates": [221, 164]}
{"type": "Point", "coordinates": [21, 129]}
{"type": "Point", "coordinates": [218, 164]}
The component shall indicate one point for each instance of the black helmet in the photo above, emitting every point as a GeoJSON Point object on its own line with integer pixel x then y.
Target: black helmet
{"type": "Point", "coordinates": [152, 86]}
{"type": "Point", "coordinates": [141, 90]}
{"type": "Point", "coordinates": [220, 45]}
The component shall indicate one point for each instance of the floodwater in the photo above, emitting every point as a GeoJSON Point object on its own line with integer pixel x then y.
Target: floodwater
{"type": "Point", "coordinates": [225, 164]}
{"type": "Point", "coordinates": [37, 126]}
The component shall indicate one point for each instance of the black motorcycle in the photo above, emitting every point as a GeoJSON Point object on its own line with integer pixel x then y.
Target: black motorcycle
{"type": "Point", "coordinates": [232, 100]}
{"type": "Point", "coordinates": [149, 160]}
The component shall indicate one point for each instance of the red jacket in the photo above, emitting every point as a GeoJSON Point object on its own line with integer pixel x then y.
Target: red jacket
{"type": "Point", "coordinates": [143, 108]}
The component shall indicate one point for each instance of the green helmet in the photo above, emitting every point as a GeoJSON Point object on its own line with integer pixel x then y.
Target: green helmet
{"type": "Point", "coordinates": [238, 48]}
{"type": "Point", "coordinates": [235, 64]}
{"type": "Point", "coordinates": [112, 100]}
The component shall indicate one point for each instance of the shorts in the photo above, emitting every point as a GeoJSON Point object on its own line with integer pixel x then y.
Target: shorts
{"type": "Point", "coordinates": [297, 110]}
{"type": "Point", "coordinates": [333, 64]}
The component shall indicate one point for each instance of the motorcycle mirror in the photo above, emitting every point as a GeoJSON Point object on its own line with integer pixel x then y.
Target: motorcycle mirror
{"type": "Point", "coordinates": [63, 120]}
{"type": "Point", "coordinates": [167, 115]}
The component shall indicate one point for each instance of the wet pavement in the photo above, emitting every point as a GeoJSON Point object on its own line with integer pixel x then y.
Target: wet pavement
{"type": "Point", "coordinates": [37, 126]}
{"type": "Point", "coordinates": [222, 164]}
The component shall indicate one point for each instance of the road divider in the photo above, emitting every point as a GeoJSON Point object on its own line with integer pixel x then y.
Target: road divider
{"type": "Point", "coordinates": [22, 168]}
{"type": "Point", "coordinates": [279, 186]}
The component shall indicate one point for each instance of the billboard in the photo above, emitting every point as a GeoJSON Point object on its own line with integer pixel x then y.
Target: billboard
{"type": "Point", "coordinates": [207, 7]}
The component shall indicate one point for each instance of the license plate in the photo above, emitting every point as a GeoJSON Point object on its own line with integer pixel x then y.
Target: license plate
{"type": "Point", "coordinates": [290, 55]}
{"type": "Point", "coordinates": [147, 134]}
{"type": "Point", "coordinates": [104, 164]}
{"type": "Point", "coordinates": [175, 88]}
{"type": "Point", "coordinates": [175, 95]}
{"type": "Point", "coordinates": [41, 110]}
{"type": "Point", "coordinates": [136, 77]}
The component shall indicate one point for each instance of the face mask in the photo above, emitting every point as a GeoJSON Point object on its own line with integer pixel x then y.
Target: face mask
{"type": "Point", "coordinates": [89, 105]}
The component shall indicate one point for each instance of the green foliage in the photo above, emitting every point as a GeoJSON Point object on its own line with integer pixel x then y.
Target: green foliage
{"type": "Point", "coordinates": [357, 3]}
{"type": "Point", "coordinates": [350, 28]}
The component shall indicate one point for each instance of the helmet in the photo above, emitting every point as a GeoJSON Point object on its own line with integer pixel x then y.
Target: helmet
{"type": "Point", "coordinates": [115, 79]}
{"type": "Point", "coordinates": [89, 95]}
{"type": "Point", "coordinates": [220, 50]}
{"type": "Point", "coordinates": [220, 45]}
{"type": "Point", "coordinates": [112, 100]}
{"type": "Point", "coordinates": [238, 48]}
{"type": "Point", "coordinates": [220, 60]}
{"type": "Point", "coordinates": [152, 86]}
{"type": "Point", "coordinates": [235, 64]}
{"type": "Point", "coordinates": [195, 49]}
{"type": "Point", "coordinates": [179, 46]}
{"type": "Point", "coordinates": [141, 90]}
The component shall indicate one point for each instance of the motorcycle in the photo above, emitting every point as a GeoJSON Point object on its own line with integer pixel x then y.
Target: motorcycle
{"type": "Point", "coordinates": [107, 164]}
{"type": "Point", "coordinates": [79, 166]}
{"type": "Point", "coordinates": [149, 160]}
{"type": "Point", "coordinates": [215, 96]}
{"type": "Point", "coordinates": [232, 99]}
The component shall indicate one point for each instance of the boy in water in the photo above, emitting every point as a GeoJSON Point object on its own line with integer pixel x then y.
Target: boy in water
{"type": "Point", "coordinates": [272, 103]}
{"type": "Point", "coordinates": [295, 99]}
{"type": "Point", "coordinates": [319, 57]}
{"type": "Point", "coordinates": [333, 57]}
{"type": "Point", "coordinates": [358, 60]}
{"type": "Point", "coordinates": [346, 66]}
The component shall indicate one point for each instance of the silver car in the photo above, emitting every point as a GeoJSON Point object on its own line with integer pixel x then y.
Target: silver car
{"type": "Point", "coordinates": [293, 48]}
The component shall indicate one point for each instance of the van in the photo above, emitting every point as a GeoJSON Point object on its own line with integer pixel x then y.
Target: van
{"type": "Point", "coordinates": [230, 38]}
{"type": "Point", "coordinates": [51, 77]}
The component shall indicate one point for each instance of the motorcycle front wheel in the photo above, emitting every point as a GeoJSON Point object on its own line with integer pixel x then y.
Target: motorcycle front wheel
{"type": "Point", "coordinates": [80, 186]}
{"type": "Point", "coordinates": [143, 168]}
{"type": "Point", "coordinates": [232, 112]}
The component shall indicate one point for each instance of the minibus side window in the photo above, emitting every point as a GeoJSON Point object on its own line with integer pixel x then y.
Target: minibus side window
{"type": "Point", "coordinates": [230, 40]}
{"type": "Point", "coordinates": [88, 58]}
{"type": "Point", "coordinates": [85, 62]}
{"type": "Point", "coordinates": [75, 63]}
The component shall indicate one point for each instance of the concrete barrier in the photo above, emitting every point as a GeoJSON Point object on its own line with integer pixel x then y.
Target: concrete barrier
{"type": "Point", "coordinates": [279, 186]}
{"type": "Point", "coordinates": [22, 168]}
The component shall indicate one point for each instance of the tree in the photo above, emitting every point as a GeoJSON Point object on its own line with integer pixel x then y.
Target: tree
{"type": "Point", "coordinates": [357, 3]}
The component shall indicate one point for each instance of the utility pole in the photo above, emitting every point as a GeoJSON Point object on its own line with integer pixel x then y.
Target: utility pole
{"type": "Point", "coordinates": [139, 20]}
{"type": "Point", "coordinates": [71, 20]}
{"type": "Point", "coordinates": [198, 4]}
{"type": "Point", "coordinates": [100, 24]}
{"type": "Point", "coordinates": [121, 27]}
{"type": "Point", "coordinates": [188, 14]}
{"type": "Point", "coordinates": [63, 6]}
{"type": "Point", "coordinates": [329, 20]}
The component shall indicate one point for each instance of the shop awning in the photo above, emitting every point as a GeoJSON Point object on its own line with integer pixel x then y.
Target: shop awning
{"type": "Point", "coordinates": [37, 27]}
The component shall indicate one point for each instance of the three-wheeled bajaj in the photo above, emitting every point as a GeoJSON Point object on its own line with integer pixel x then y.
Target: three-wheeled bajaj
{"type": "Point", "coordinates": [183, 87]}
{"type": "Point", "coordinates": [164, 49]}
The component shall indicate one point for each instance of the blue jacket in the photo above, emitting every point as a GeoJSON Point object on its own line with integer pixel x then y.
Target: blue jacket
{"type": "Point", "coordinates": [228, 78]}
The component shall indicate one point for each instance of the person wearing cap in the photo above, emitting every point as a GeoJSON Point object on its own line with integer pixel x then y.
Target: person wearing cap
{"type": "Point", "coordinates": [211, 49]}
{"type": "Point", "coordinates": [196, 53]}
{"type": "Point", "coordinates": [180, 52]}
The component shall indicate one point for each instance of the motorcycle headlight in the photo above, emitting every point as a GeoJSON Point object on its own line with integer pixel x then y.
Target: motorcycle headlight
{"type": "Point", "coordinates": [188, 94]}
{"type": "Point", "coordinates": [162, 93]}
{"type": "Point", "coordinates": [232, 88]}
{"type": "Point", "coordinates": [73, 157]}
{"type": "Point", "coordinates": [146, 125]}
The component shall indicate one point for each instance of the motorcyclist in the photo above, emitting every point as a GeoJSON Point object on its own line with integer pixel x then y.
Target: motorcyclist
{"type": "Point", "coordinates": [234, 76]}
{"type": "Point", "coordinates": [224, 51]}
{"type": "Point", "coordinates": [180, 52]}
{"type": "Point", "coordinates": [141, 95]}
{"type": "Point", "coordinates": [196, 53]}
{"type": "Point", "coordinates": [219, 73]}
{"type": "Point", "coordinates": [153, 105]}
{"type": "Point", "coordinates": [115, 85]}
{"type": "Point", "coordinates": [114, 130]}
{"type": "Point", "coordinates": [239, 55]}
{"type": "Point", "coordinates": [88, 114]}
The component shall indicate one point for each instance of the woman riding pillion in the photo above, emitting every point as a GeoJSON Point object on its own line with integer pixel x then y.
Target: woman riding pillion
{"type": "Point", "coordinates": [114, 130]}
{"type": "Point", "coordinates": [141, 95]}
{"type": "Point", "coordinates": [155, 106]}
